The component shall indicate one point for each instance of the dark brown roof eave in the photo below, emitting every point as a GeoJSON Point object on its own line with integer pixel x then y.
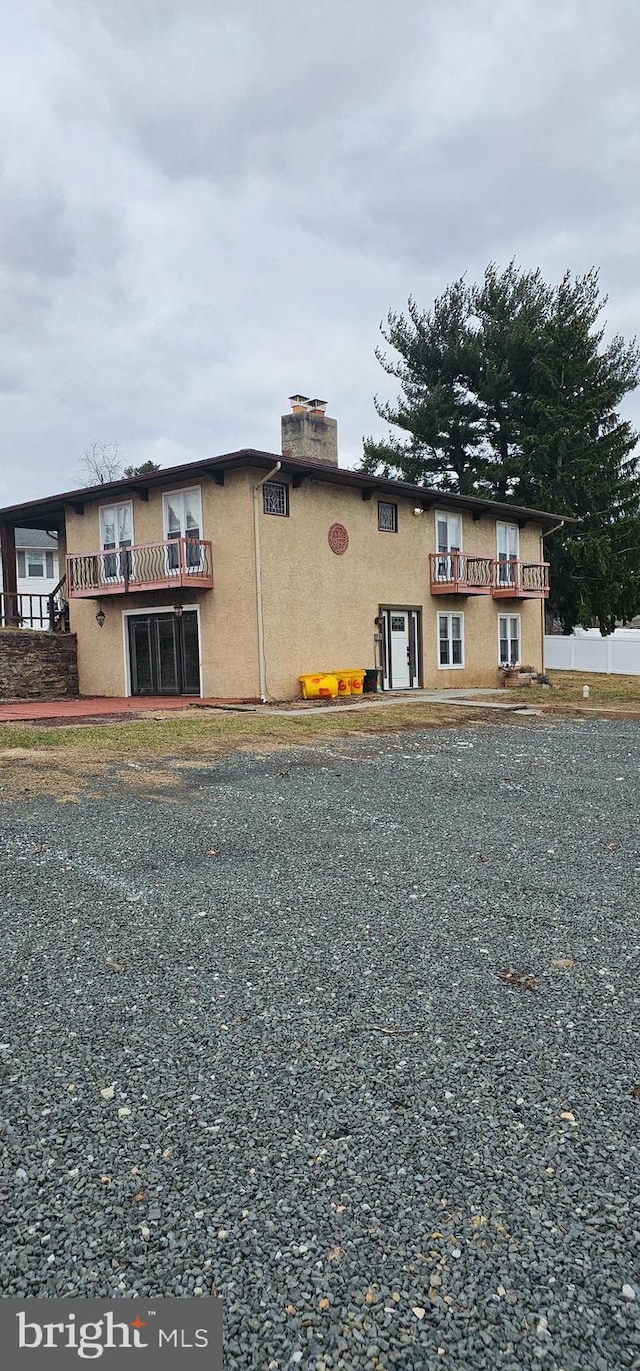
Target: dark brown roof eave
{"type": "Point", "coordinates": [49, 512]}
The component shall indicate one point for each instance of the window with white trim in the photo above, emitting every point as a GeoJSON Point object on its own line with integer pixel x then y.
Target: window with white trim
{"type": "Point", "coordinates": [387, 517]}
{"type": "Point", "coordinates": [451, 640]}
{"type": "Point", "coordinates": [448, 532]}
{"type": "Point", "coordinates": [448, 543]}
{"type": "Point", "coordinates": [509, 639]}
{"type": "Point", "coordinates": [508, 547]}
{"type": "Point", "coordinates": [116, 532]}
{"type": "Point", "coordinates": [275, 498]}
{"type": "Point", "coordinates": [183, 519]}
{"type": "Point", "coordinates": [35, 562]}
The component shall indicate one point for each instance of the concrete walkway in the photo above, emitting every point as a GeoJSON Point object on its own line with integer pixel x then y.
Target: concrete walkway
{"type": "Point", "coordinates": [473, 698]}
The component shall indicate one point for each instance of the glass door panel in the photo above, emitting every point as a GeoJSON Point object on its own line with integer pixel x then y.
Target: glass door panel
{"type": "Point", "coordinates": [167, 655]}
{"type": "Point", "coordinates": [164, 654]}
{"type": "Point", "coordinates": [140, 653]}
{"type": "Point", "coordinates": [190, 653]}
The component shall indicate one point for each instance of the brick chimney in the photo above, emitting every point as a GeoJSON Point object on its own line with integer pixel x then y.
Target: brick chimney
{"type": "Point", "coordinates": [307, 432]}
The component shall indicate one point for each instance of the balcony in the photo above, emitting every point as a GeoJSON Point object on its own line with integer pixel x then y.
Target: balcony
{"type": "Point", "coordinates": [176, 563]}
{"type": "Point", "coordinates": [454, 574]}
{"type": "Point", "coordinates": [514, 580]}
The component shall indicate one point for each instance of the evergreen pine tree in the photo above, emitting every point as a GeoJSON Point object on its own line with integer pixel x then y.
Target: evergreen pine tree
{"type": "Point", "coordinates": [509, 391]}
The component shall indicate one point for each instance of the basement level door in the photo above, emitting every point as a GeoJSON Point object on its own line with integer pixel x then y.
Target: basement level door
{"type": "Point", "coordinates": [163, 653]}
{"type": "Point", "coordinates": [401, 649]}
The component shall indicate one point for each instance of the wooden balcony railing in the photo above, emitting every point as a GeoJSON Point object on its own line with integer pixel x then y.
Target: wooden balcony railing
{"type": "Point", "coordinates": [452, 573]}
{"type": "Point", "coordinates": [24, 610]}
{"type": "Point", "coordinates": [516, 580]}
{"type": "Point", "coordinates": [146, 566]}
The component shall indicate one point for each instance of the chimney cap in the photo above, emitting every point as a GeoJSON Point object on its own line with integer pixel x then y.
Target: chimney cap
{"type": "Point", "coordinates": [318, 404]}
{"type": "Point", "coordinates": [299, 399]}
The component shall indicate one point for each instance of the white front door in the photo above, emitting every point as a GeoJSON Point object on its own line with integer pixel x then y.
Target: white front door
{"type": "Point", "coordinates": [401, 649]}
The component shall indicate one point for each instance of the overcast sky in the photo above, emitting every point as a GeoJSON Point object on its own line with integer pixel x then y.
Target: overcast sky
{"type": "Point", "coordinates": [207, 206]}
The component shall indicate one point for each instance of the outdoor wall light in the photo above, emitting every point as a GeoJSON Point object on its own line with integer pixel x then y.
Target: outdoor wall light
{"type": "Point", "coordinates": [417, 510]}
{"type": "Point", "coordinates": [100, 617]}
{"type": "Point", "coordinates": [177, 609]}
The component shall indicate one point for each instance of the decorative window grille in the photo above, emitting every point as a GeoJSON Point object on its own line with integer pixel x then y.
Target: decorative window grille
{"type": "Point", "coordinates": [450, 640]}
{"type": "Point", "coordinates": [275, 497]}
{"type": "Point", "coordinates": [387, 517]}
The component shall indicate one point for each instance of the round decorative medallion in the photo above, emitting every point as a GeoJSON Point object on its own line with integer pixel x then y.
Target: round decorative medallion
{"type": "Point", "coordinates": [338, 539]}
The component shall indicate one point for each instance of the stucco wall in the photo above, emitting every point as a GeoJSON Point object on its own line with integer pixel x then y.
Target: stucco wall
{"type": "Point", "coordinates": [319, 608]}
{"type": "Point", "coordinates": [227, 613]}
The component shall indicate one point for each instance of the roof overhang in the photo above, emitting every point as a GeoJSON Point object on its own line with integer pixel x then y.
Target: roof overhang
{"type": "Point", "coordinates": [49, 514]}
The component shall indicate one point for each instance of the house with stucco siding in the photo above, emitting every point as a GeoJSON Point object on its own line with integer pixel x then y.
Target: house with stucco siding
{"type": "Point", "coordinates": [232, 576]}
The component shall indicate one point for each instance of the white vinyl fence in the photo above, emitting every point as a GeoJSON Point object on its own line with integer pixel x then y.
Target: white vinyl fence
{"type": "Point", "coordinates": [618, 655]}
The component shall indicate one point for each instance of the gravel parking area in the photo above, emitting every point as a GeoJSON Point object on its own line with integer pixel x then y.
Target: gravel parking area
{"type": "Point", "coordinates": [348, 1036]}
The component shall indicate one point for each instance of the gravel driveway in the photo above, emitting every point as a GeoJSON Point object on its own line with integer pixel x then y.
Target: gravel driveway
{"type": "Point", "coordinates": [346, 1035]}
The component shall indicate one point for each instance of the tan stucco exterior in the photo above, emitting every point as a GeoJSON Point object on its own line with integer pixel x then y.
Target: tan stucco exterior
{"type": "Point", "coordinates": [319, 608]}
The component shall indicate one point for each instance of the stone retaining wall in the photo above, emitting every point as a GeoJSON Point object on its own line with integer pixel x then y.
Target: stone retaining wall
{"type": "Point", "coordinates": [37, 665]}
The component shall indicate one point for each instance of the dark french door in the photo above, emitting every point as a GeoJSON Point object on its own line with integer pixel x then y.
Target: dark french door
{"type": "Point", "coordinates": [164, 655]}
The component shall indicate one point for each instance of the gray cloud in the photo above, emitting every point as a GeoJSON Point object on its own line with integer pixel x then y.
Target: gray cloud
{"type": "Point", "coordinates": [202, 211]}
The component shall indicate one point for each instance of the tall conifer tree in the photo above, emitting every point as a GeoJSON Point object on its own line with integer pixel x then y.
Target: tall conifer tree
{"type": "Point", "coordinates": [508, 390]}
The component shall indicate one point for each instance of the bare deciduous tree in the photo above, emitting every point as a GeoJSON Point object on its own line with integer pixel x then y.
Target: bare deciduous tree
{"type": "Point", "coordinates": [100, 463]}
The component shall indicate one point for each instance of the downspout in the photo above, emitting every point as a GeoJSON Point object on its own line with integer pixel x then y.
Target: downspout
{"type": "Point", "coordinates": [543, 535]}
{"type": "Point", "coordinates": [262, 667]}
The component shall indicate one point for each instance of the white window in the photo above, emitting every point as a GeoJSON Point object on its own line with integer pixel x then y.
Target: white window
{"type": "Point", "coordinates": [183, 519]}
{"type": "Point", "coordinates": [275, 498]}
{"type": "Point", "coordinates": [448, 532]}
{"type": "Point", "coordinates": [35, 562]}
{"type": "Point", "coordinates": [509, 639]}
{"type": "Point", "coordinates": [448, 543]}
{"type": "Point", "coordinates": [508, 545]}
{"type": "Point", "coordinates": [387, 517]}
{"type": "Point", "coordinates": [116, 531]}
{"type": "Point", "coordinates": [450, 640]}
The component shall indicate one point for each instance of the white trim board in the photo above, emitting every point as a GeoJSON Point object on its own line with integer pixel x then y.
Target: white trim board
{"type": "Point", "coordinates": [156, 609]}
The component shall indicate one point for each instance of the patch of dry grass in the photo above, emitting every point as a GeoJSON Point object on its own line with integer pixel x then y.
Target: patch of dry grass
{"type": "Point", "coordinates": [568, 686]}
{"type": "Point", "coordinates": [152, 755]}
{"type": "Point", "coordinates": [606, 692]}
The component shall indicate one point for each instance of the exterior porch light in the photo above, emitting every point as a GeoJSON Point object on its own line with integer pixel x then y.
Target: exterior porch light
{"type": "Point", "coordinates": [177, 609]}
{"type": "Point", "coordinates": [100, 617]}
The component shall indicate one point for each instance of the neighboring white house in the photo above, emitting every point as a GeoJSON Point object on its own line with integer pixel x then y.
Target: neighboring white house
{"type": "Point", "coordinates": [37, 570]}
{"type": "Point", "coordinates": [37, 562]}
